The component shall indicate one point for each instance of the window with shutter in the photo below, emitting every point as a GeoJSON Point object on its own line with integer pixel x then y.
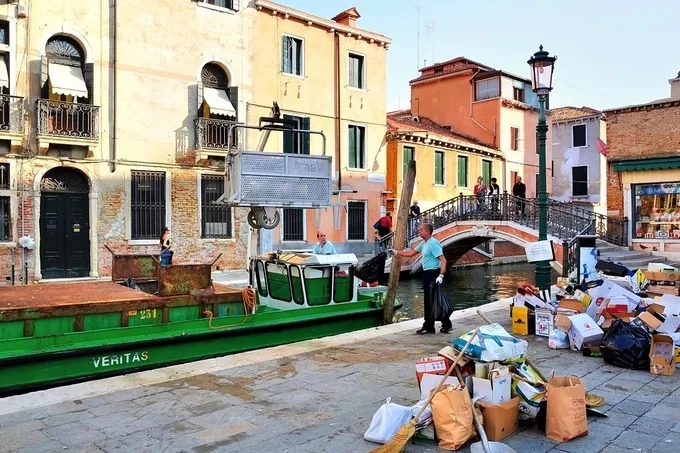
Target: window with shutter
{"type": "Point", "coordinates": [439, 167]}
{"type": "Point", "coordinates": [356, 71]}
{"type": "Point", "coordinates": [408, 155]}
{"type": "Point", "coordinates": [292, 55]}
{"type": "Point", "coordinates": [357, 147]}
{"type": "Point", "coordinates": [462, 171]}
{"type": "Point", "coordinates": [514, 138]}
{"type": "Point", "coordinates": [579, 135]}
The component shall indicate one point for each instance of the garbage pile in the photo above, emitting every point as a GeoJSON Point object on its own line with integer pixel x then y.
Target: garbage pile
{"type": "Point", "coordinates": [486, 384]}
{"type": "Point", "coordinates": [630, 318]}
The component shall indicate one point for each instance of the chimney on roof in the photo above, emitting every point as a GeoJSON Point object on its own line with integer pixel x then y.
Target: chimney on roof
{"type": "Point", "coordinates": [675, 87]}
{"type": "Point", "coordinates": [348, 17]}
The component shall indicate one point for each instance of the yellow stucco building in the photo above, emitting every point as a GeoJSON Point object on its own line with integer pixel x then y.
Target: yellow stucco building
{"type": "Point", "coordinates": [326, 75]}
{"type": "Point", "coordinates": [447, 164]}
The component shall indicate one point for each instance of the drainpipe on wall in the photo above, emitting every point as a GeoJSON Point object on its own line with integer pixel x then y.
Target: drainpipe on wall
{"type": "Point", "coordinates": [114, 77]}
{"type": "Point", "coordinates": [336, 81]}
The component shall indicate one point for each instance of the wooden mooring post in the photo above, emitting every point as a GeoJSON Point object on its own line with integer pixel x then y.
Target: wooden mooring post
{"type": "Point", "coordinates": [398, 240]}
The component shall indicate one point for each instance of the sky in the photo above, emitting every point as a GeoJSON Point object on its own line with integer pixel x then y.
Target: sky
{"type": "Point", "coordinates": [610, 53]}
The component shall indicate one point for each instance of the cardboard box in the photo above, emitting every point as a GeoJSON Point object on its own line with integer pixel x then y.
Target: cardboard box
{"type": "Point", "coordinates": [495, 388]}
{"type": "Point", "coordinates": [500, 420]}
{"type": "Point", "coordinates": [651, 319]}
{"type": "Point", "coordinates": [661, 355]}
{"type": "Point", "coordinates": [583, 330]}
{"type": "Point", "coordinates": [432, 365]}
{"type": "Point", "coordinates": [571, 304]}
{"type": "Point", "coordinates": [430, 381]}
{"type": "Point", "coordinates": [523, 321]}
{"type": "Point", "coordinates": [545, 320]}
{"type": "Point", "coordinates": [676, 356]}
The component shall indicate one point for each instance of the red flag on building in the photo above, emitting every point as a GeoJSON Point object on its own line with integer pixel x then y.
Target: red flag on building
{"type": "Point", "coordinates": [601, 147]}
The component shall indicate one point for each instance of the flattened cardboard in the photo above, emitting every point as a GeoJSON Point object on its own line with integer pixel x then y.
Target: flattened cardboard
{"type": "Point", "coordinates": [661, 355]}
{"type": "Point", "coordinates": [571, 304]}
{"type": "Point", "coordinates": [500, 420]}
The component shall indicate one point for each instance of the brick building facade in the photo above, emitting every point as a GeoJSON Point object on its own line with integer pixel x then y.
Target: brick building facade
{"type": "Point", "coordinates": [643, 171]}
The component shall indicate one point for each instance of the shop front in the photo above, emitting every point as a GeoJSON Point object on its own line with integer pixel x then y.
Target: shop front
{"type": "Point", "coordinates": [656, 211]}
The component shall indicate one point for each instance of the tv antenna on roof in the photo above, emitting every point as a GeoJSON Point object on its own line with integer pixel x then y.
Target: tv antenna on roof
{"type": "Point", "coordinates": [429, 29]}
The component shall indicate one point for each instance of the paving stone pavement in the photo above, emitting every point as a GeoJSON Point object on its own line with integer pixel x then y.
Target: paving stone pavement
{"type": "Point", "coordinates": [316, 399]}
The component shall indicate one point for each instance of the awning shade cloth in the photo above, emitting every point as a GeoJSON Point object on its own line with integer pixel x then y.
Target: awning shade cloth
{"type": "Point", "coordinates": [4, 77]}
{"type": "Point", "coordinates": [659, 163]}
{"type": "Point", "coordinates": [67, 80]}
{"type": "Point", "coordinates": [219, 102]}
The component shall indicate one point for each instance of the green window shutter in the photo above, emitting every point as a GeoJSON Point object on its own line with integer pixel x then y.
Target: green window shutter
{"type": "Point", "coordinates": [360, 72]}
{"type": "Point", "coordinates": [462, 171]}
{"type": "Point", "coordinates": [486, 171]}
{"type": "Point", "coordinates": [288, 141]}
{"type": "Point", "coordinates": [407, 153]}
{"type": "Point", "coordinates": [305, 137]}
{"type": "Point", "coordinates": [352, 147]}
{"type": "Point", "coordinates": [438, 167]}
{"type": "Point", "coordinates": [361, 146]}
{"type": "Point", "coordinates": [352, 71]}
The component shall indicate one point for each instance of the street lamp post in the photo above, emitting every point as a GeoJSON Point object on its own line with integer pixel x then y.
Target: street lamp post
{"type": "Point", "coordinates": [542, 66]}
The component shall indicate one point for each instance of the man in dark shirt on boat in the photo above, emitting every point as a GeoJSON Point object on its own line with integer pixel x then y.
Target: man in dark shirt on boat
{"type": "Point", "coordinates": [434, 268]}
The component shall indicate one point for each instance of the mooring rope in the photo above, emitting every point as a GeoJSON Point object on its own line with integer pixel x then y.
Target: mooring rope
{"type": "Point", "coordinates": [249, 305]}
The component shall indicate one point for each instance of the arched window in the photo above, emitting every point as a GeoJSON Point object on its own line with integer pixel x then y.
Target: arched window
{"type": "Point", "coordinates": [64, 74]}
{"type": "Point", "coordinates": [216, 98]}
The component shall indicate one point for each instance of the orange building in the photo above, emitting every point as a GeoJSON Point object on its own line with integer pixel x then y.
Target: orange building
{"type": "Point", "coordinates": [488, 106]}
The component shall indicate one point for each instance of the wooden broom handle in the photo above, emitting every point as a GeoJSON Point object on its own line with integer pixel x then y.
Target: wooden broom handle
{"type": "Point", "coordinates": [448, 373]}
{"type": "Point", "coordinates": [527, 358]}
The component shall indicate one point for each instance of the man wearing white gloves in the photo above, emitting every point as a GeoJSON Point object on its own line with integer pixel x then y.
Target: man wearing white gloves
{"type": "Point", "coordinates": [434, 268]}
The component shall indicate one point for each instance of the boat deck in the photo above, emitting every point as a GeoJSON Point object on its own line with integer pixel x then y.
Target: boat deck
{"type": "Point", "coordinates": [53, 295]}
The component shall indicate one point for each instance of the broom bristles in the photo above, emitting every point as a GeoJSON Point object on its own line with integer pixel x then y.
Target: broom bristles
{"type": "Point", "coordinates": [397, 443]}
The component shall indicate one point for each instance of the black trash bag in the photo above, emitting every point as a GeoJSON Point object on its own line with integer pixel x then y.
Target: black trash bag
{"type": "Point", "coordinates": [626, 345]}
{"type": "Point", "coordinates": [442, 308]}
{"type": "Point", "coordinates": [370, 271]}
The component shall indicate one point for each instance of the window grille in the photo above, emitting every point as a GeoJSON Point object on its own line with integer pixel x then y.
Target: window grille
{"type": "Point", "coordinates": [215, 216]}
{"type": "Point", "coordinates": [147, 205]}
{"type": "Point", "coordinates": [356, 220]}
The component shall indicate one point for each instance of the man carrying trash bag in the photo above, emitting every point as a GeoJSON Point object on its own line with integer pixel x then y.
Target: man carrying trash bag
{"type": "Point", "coordinates": [434, 268]}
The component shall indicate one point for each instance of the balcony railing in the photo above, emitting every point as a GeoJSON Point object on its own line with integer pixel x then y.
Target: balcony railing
{"type": "Point", "coordinates": [69, 120]}
{"type": "Point", "coordinates": [212, 134]}
{"type": "Point", "coordinates": [11, 113]}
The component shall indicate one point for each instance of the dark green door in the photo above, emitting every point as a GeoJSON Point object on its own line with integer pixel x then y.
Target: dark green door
{"type": "Point", "coordinates": [64, 228]}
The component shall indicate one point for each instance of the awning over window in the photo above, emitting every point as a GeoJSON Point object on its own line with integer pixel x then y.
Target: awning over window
{"type": "Point", "coordinates": [4, 77]}
{"type": "Point", "coordinates": [218, 101]}
{"type": "Point", "coordinates": [67, 80]}
{"type": "Point", "coordinates": [659, 163]}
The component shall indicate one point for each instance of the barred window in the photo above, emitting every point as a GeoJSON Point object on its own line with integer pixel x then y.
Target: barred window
{"type": "Point", "coordinates": [293, 224]}
{"type": "Point", "coordinates": [4, 219]}
{"type": "Point", "coordinates": [215, 215]}
{"type": "Point", "coordinates": [356, 220]}
{"type": "Point", "coordinates": [147, 204]}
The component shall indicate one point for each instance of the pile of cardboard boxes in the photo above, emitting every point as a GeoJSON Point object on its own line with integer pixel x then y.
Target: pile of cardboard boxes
{"type": "Point", "coordinates": [582, 313]}
{"type": "Point", "coordinates": [490, 383]}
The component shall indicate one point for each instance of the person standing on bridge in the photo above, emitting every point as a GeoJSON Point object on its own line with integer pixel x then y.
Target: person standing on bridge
{"type": "Point", "coordinates": [494, 194]}
{"type": "Point", "coordinates": [519, 190]}
{"type": "Point", "coordinates": [480, 192]}
{"type": "Point", "coordinates": [434, 268]}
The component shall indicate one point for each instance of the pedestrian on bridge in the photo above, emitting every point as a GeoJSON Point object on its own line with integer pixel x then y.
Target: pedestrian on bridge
{"type": "Point", "coordinates": [494, 194]}
{"type": "Point", "coordinates": [480, 192]}
{"type": "Point", "coordinates": [434, 268]}
{"type": "Point", "coordinates": [413, 217]}
{"type": "Point", "coordinates": [519, 190]}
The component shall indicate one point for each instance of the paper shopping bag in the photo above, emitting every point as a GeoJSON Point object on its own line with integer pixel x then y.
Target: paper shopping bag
{"type": "Point", "coordinates": [452, 417]}
{"type": "Point", "coordinates": [566, 412]}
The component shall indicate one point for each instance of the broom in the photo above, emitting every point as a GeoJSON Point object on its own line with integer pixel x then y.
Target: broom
{"type": "Point", "coordinates": [397, 443]}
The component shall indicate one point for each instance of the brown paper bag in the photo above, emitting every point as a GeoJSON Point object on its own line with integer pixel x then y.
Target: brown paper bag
{"type": "Point", "coordinates": [566, 413]}
{"type": "Point", "coordinates": [452, 417]}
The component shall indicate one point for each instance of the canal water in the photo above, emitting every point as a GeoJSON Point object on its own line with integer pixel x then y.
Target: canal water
{"type": "Point", "coordinates": [468, 286]}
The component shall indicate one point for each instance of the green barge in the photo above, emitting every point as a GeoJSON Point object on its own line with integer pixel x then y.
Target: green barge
{"type": "Point", "coordinates": [151, 316]}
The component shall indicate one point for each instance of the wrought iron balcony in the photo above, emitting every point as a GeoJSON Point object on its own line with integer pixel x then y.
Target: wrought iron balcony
{"type": "Point", "coordinates": [11, 113]}
{"type": "Point", "coordinates": [212, 134]}
{"type": "Point", "coordinates": [68, 120]}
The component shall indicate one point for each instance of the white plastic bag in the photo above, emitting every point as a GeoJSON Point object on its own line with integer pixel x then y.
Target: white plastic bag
{"type": "Point", "coordinates": [558, 339]}
{"type": "Point", "coordinates": [387, 421]}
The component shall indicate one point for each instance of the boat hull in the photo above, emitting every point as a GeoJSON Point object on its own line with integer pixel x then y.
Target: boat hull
{"type": "Point", "coordinates": [36, 362]}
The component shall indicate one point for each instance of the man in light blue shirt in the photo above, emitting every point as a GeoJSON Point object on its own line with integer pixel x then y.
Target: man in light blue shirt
{"type": "Point", "coordinates": [323, 247]}
{"type": "Point", "coordinates": [434, 269]}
